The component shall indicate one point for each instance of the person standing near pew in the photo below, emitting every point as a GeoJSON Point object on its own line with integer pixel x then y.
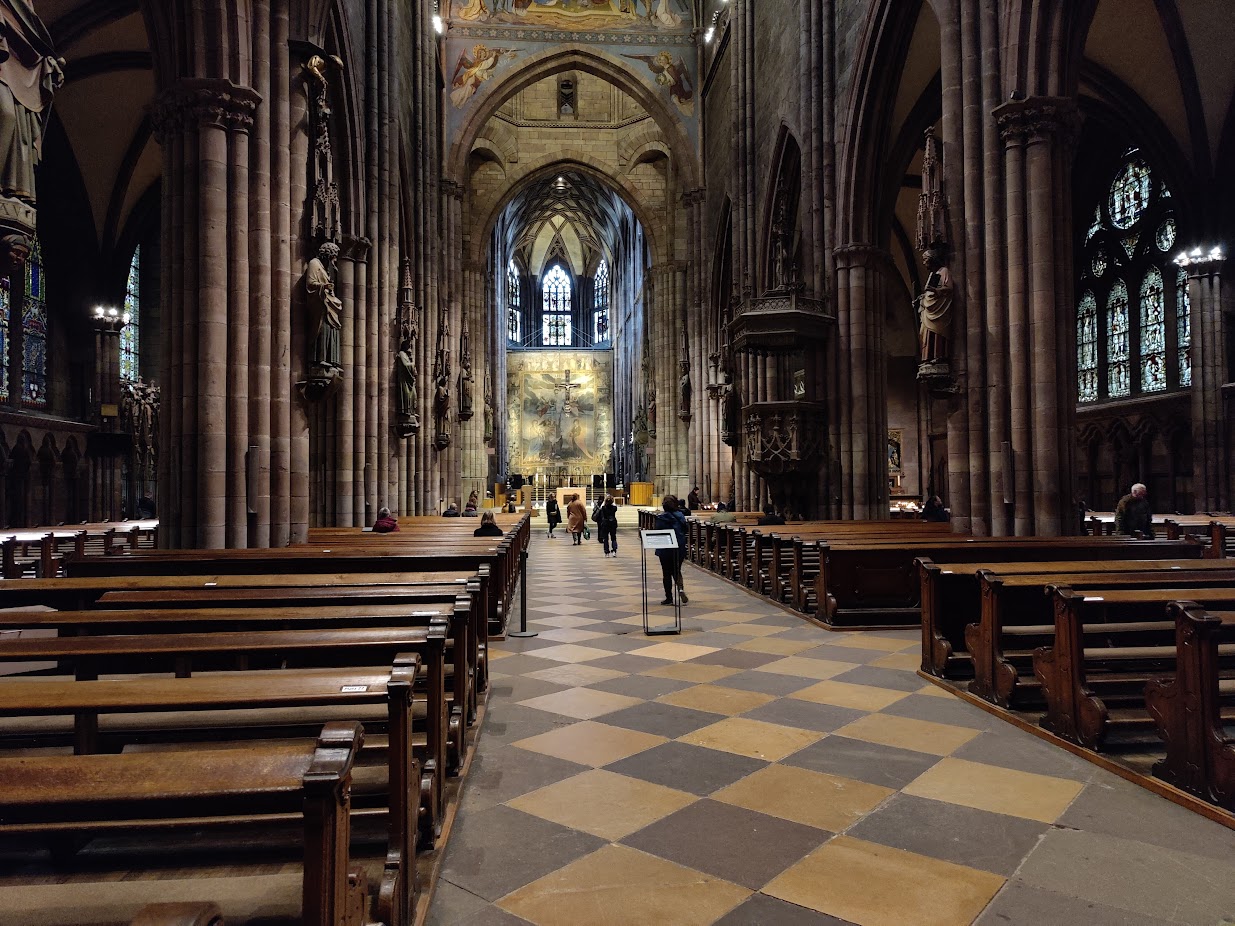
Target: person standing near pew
{"type": "Point", "coordinates": [386, 523]}
{"type": "Point", "coordinates": [553, 514]}
{"type": "Point", "coordinates": [576, 518]}
{"type": "Point", "coordinates": [1134, 513]}
{"type": "Point", "coordinates": [671, 560]}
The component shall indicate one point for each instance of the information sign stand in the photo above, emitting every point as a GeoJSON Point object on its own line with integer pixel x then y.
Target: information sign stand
{"type": "Point", "coordinates": [659, 540]}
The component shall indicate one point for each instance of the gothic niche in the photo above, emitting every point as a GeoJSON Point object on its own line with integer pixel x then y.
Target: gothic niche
{"type": "Point", "coordinates": [441, 384]}
{"type": "Point", "coordinates": [30, 74]}
{"type": "Point", "coordinates": [324, 308]}
{"type": "Point", "coordinates": [140, 419]}
{"type": "Point", "coordinates": [465, 372]}
{"type": "Point", "coordinates": [685, 389]}
{"type": "Point", "coordinates": [934, 303]}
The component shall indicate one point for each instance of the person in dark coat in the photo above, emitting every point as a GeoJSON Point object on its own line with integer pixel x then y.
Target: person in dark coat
{"type": "Point", "coordinates": [553, 514]}
{"type": "Point", "coordinates": [671, 560]}
{"type": "Point", "coordinates": [488, 527]}
{"type": "Point", "coordinates": [934, 510]}
{"type": "Point", "coordinates": [606, 521]}
{"type": "Point", "coordinates": [770, 517]}
{"type": "Point", "coordinates": [692, 499]}
{"type": "Point", "coordinates": [451, 512]}
{"type": "Point", "coordinates": [1134, 513]}
{"type": "Point", "coordinates": [385, 522]}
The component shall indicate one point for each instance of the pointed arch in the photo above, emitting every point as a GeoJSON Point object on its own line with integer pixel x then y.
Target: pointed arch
{"type": "Point", "coordinates": [782, 209]}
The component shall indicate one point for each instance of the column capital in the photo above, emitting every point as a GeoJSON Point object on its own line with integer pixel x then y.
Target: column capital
{"type": "Point", "coordinates": [355, 248]}
{"type": "Point", "coordinates": [853, 255]}
{"type": "Point", "coordinates": [451, 188]}
{"type": "Point", "coordinates": [694, 197]}
{"type": "Point", "coordinates": [1037, 118]}
{"type": "Point", "coordinates": [197, 101]}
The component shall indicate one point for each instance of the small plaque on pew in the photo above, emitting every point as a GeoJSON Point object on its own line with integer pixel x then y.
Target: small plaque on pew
{"type": "Point", "coordinates": [1094, 598]}
{"type": "Point", "coordinates": [354, 689]}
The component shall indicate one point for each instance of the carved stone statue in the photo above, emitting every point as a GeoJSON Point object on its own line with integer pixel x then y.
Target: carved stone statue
{"type": "Point", "coordinates": [405, 373]}
{"type": "Point", "coordinates": [782, 245]}
{"type": "Point", "coordinates": [639, 428]}
{"type": "Point", "coordinates": [934, 305]}
{"type": "Point", "coordinates": [325, 311]}
{"type": "Point", "coordinates": [441, 398]}
{"type": "Point", "coordinates": [685, 390]}
{"type": "Point", "coordinates": [488, 419]}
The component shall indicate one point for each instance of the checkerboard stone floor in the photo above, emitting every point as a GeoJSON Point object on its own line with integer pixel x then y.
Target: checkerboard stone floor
{"type": "Point", "coordinates": [760, 770]}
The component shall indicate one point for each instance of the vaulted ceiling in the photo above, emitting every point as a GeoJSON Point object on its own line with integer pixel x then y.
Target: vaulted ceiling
{"type": "Point", "coordinates": [571, 205]}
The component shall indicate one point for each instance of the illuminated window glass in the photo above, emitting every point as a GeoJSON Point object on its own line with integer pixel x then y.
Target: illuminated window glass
{"type": "Point", "coordinates": [514, 304]}
{"type": "Point", "coordinates": [555, 331]}
{"type": "Point", "coordinates": [1153, 332]}
{"type": "Point", "coordinates": [129, 334]}
{"type": "Point", "coordinates": [600, 314]}
{"type": "Point", "coordinates": [555, 324]}
{"type": "Point", "coordinates": [1087, 348]}
{"type": "Point", "coordinates": [34, 334]}
{"type": "Point", "coordinates": [1183, 327]}
{"type": "Point", "coordinates": [1166, 235]}
{"type": "Point", "coordinates": [1117, 384]}
{"type": "Point", "coordinates": [1130, 193]}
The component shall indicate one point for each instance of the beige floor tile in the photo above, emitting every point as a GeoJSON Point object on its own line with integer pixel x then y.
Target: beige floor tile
{"type": "Point", "coordinates": [908, 661]}
{"type": "Point", "coordinates": [750, 630]}
{"type": "Point", "coordinates": [935, 691]}
{"type": "Point", "coordinates": [716, 699]}
{"type": "Point", "coordinates": [571, 652]}
{"type": "Point", "coordinates": [873, 885]}
{"type": "Point", "coordinates": [571, 635]}
{"type": "Point", "coordinates": [635, 620]}
{"type": "Point", "coordinates": [673, 652]}
{"type": "Point", "coordinates": [807, 667]}
{"type": "Point", "coordinates": [495, 653]}
{"type": "Point", "coordinates": [937, 739]}
{"type": "Point", "coordinates": [565, 620]}
{"type": "Point", "coordinates": [581, 703]}
{"type": "Point", "coordinates": [575, 674]}
{"type": "Point", "coordinates": [813, 798]}
{"type": "Point", "coordinates": [616, 886]}
{"type": "Point", "coordinates": [871, 640]}
{"type": "Point", "coordinates": [692, 672]}
{"type": "Point", "coordinates": [754, 738]}
{"type": "Point", "coordinates": [590, 743]}
{"type": "Point", "coordinates": [604, 804]}
{"type": "Point", "coordinates": [999, 790]}
{"type": "Point", "coordinates": [844, 694]}
{"type": "Point", "coordinates": [774, 647]}
{"type": "Point", "coordinates": [726, 616]}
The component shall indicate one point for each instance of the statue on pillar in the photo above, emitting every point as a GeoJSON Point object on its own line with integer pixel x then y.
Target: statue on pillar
{"type": "Point", "coordinates": [783, 273]}
{"type": "Point", "coordinates": [465, 372]}
{"type": "Point", "coordinates": [441, 385]}
{"type": "Point", "coordinates": [934, 303]}
{"type": "Point", "coordinates": [685, 390]}
{"type": "Point", "coordinates": [408, 423]}
{"type": "Point", "coordinates": [325, 317]}
{"type": "Point", "coordinates": [30, 74]}
{"type": "Point", "coordinates": [934, 306]}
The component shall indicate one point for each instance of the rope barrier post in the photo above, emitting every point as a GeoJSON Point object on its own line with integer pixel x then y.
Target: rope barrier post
{"type": "Point", "coordinates": [523, 631]}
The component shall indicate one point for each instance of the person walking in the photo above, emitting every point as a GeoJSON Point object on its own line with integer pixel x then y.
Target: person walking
{"type": "Point", "coordinates": [671, 560]}
{"type": "Point", "coordinates": [606, 521]}
{"type": "Point", "coordinates": [553, 514]}
{"type": "Point", "coordinates": [576, 518]}
{"type": "Point", "coordinates": [1134, 513]}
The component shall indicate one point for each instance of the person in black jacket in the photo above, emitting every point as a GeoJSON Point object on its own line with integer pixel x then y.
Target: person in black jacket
{"type": "Point", "coordinates": [606, 521]}
{"type": "Point", "coordinates": [488, 527]}
{"type": "Point", "coordinates": [553, 514]}
{"type": "Point", "coordinates": [671, 560]}
{"type": "Point", "coordinates": [770, 517]}
{"type": "Point", "coordinates": [934, 510]}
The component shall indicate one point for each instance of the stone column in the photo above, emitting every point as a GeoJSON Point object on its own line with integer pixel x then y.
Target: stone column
{"type": "Point", "coordinates": [1211, 454]}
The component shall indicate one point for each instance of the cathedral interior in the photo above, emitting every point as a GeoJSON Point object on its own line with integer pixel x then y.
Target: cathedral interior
{"type": "Point", "coordinates": [276, 271]}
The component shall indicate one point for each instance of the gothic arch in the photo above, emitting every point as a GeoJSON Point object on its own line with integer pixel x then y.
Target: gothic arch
{"type": "Point", "coordinates": [785, 179]}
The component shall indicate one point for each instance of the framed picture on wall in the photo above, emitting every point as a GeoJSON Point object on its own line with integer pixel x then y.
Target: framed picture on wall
{"type": "Point", "coordinates": [895, 437]}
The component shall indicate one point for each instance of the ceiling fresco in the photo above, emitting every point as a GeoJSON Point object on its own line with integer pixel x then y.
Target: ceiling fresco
{"type": "Point", "coordinates": [577, 15]}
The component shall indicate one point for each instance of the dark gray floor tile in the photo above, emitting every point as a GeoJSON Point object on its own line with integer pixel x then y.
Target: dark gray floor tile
{"type": "Point", "coordinates": [642, 686]}
{"type": "Point", "coordinates": [1116, 807]}
{"type": "Point", "coordinates": [852, 654]}
{"type": "Point", "coordinates": [940, 710]}
{"type": "Point", "coordinates": [521, 687]}
{"type": "Point", "coordinates": [624, 662]}
{"type": "Point", "coordinates": [803, 714]}
{"type": "Point", "coordinates": [452, 904]}
{"type": "Point", "coordinates": [736, 659]}
{"type": "Point", "coordinates": [975, 838]}
{"type": "Point", "coordinates": [488, 851]}
{"type": "Point", "coordinates": [618, 643]}
{"type": "Point", "coordinates": [688, 768]}
{"type": "Point", "coordinates": [501, 774]}
{"type": "Point", "coordinates": [805, 632]}
{"type": "Point", "coordinates": [507, 723]}
{"type": "Point", "coordinates": [881, 678]}
{"type": "Point", "coordinates": [772, 683]}
{"type": "Point", "coordinates": [712, 638]}
{"type": "Point", "coordinates": [1169, 886]}
{"type": "Point", "coordinates": [1018, 904]}
{"type": "Point", "coordinates": [762, 910]}
{"type": "Point", "coordinates": [660, 719]}
{"type": "Point", "coordinates": [521, 664]}
{"type": "Point", "coordinates": [717, 839]}
{"type": "Point", "coordinates": [878, 765]}
{"type": "Point", "coordinates": [494, 916]}
{"type": "Point", "coordinates": [1007, 747]}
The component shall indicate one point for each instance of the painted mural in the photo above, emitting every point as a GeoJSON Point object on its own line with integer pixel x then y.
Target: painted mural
{"type": "Point", "coordinates": [473, 67]}
{"type": "Point", "coordinates": [584, 15]}
{"type": "Point", "coordinates": [673, 75]}
{"type": "Point", "coordinates": [560, 408]}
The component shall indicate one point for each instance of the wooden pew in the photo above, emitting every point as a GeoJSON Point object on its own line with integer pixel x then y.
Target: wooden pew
{"type": "Point", "coordinates": [955, 596]}
{"type": "Point", "coordinates": [76, 796]}
{"type": "Point", "coordinates": [1106, 646]}
{"type": "Point", "coordinates": [1189, 707]}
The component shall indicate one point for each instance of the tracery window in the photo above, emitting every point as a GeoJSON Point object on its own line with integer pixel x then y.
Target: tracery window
{"type": "Point", "coordinates": [34, 333]}
{"type": "Point", "coordinates": [514, 305]}
{"type": "Point", "coordinates": [130, 333]}
{"type": "Point", "coordinates": [600, 313]}
{"type": "Point", "coordinates": [1131, 329]}
{"type": "Point", "coordinates": [556, 295]}
{"type": "Point", "coordinates": [1183, 327]}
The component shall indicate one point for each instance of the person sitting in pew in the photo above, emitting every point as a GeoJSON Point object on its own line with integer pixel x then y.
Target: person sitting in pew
{"type": "Point", "coordinates": [770, 517]}
{"type": "Point", "coordinates": [386, 522]}
{"type": "Point", "coordinates": [488, 527]}
{"type": "Point", "coordinates": [1134, 513]}
{"type": "Point", "coordinates": [452, 511]}
{"type": "Point", "coordinates": [935, 511]}
{"type": "Point", "coordinates": [469, 511]}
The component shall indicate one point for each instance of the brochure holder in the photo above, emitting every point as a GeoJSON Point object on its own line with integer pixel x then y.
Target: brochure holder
{"type": "Point", "coordinates": [659, 540]}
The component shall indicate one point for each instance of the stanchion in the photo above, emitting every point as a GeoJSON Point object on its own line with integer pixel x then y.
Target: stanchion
{"type": "Point", "coordinates": [522, 631]}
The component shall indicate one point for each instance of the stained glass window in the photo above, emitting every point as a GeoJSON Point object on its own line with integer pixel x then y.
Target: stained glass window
{"type": "Point", "coordinates": [555, 326]}
{"type": "Point", "coordinates": [34, 334]}
{"type": "Point", "coordinates": [1153, 332]}
{"type": "Point", "coordinates": [600, 315]}
{"type": "Point", "coordinates": [1183, 327]}
{"type": "Point", "coordinates": [514, 305]}
{"type": "Point", "coordinates": [1117, 341]}
{"type": "Point", "coordinates": [1129, 321]}
{"type": "Point", "coordinates": [129, 334]}
{"type": "Point", "coordinates": [1087, 348]}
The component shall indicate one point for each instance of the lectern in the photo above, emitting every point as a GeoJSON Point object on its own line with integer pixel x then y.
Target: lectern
{"type": "Point", "coordinates": [659, 540]}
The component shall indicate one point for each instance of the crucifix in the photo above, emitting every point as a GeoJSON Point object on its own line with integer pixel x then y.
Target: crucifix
{"type": "Point", "coordinates": [566, 386]}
